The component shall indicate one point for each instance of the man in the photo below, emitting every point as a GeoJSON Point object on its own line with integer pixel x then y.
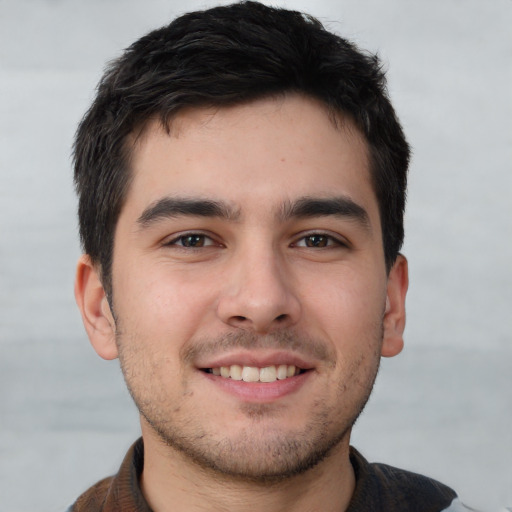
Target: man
{"type": "Point", "coordinates": [241, 178]}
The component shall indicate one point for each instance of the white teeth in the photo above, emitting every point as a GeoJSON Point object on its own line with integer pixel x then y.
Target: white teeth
{"type": "Point", "coordinates": [236, 372]}
{"type": "Point", "coordinates": [268, 374]}
{"type": "Point", "coordinates": [282, 371]}
{"type": "Point", "coordinates": [254, 374]}
{"type": "Point", "coordinates": [250, 374]}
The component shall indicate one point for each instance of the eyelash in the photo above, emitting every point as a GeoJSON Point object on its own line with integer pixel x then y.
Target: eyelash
{"type": "Point", "coordinates": [175, 241]}
{"type": "Point", "coordinates": [330, 241]}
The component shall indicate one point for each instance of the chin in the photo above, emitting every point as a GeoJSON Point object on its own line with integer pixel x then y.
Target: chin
{"type": "Point", "coordinates": [257, 455]}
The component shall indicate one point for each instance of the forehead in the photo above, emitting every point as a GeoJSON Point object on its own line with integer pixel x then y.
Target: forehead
{"type": "Point", "coordinates": [260, 154]}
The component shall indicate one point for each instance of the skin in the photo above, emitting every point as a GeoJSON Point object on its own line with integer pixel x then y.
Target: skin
{"type": "Point", "coordinates": [263, 283]}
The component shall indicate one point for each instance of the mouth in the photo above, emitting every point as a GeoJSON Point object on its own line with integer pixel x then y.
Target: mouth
{"type": "Point", "coordinates": [258, 377]}
{"type": "Point", "coordinates": [267, 374]}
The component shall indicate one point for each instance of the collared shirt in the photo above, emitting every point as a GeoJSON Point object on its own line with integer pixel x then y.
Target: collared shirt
{"type": "Point", "coordinates": [378, 488]}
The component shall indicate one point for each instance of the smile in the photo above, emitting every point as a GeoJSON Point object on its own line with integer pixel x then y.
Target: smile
{"type": "Point", "coordinates": [255, 374]}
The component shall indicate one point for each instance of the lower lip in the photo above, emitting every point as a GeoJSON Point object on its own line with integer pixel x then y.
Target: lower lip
{"type": "Point", "coordinates": [260, 391]}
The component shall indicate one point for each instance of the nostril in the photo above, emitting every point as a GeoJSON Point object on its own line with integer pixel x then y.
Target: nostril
{"type": "Point", "coordinates": [239, 318]}
{"type": "Point", "coordinates": [280, 318]}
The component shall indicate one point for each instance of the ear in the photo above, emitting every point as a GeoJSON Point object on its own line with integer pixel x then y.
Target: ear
{"type": "Point", "coordinates": [394, 315]}
{"type": "Point", "coordinates": [93, 304]}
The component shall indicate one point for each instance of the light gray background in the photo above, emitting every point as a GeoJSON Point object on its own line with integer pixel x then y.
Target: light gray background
{"type": "Point", "coordinates": [443, 407]}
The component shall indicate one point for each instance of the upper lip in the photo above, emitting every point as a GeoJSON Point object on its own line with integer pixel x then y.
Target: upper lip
{"type": "Point", "coordinates": [258, 359]}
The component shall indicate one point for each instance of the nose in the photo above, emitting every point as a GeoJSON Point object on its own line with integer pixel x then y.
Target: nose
{"type": "Point", "coordinates": [258, 294]}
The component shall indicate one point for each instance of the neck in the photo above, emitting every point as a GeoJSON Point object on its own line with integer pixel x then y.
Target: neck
{"type": "Point", "coordinates": [171, 482]}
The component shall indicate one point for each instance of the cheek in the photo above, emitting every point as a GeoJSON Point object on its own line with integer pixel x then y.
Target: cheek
{"type": "Point", "coordinates": [342, 301]}
{"type": "Point", "coordinates": [158, 300]}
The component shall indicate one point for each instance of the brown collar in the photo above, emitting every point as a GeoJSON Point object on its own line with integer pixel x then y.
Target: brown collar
{"type": "Point", "coordinates": [378, 487]}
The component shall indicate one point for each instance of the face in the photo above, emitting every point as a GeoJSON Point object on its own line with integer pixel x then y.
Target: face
{"type": "Point", "coordinates": [251, 302]}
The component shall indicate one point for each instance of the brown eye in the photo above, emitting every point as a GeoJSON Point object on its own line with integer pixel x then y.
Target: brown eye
{"type": "Point", "coordinates": [316, 241]}
{"type": "Point", "coordinates": [319, 241]}
{"type": "Point", "coordinates": [192, 240]}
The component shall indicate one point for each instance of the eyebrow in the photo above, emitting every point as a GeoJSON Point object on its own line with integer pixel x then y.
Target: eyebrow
{"type": "Point", "coordinates": [304, 207]}
{"type": "Point", "coordinates": [171, 207]}
{"type": "Point", "coordinates": [339, 206]}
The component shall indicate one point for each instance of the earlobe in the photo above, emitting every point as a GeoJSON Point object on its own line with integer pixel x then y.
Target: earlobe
{"type": "Point", "coordinates": [94, 308]}
{"type": "Point", "coordinates": [394, 315]}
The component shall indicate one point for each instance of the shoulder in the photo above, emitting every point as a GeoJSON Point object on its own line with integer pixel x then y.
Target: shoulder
{"type": "Point", "coordinates": [408, 484]}
{"type": "Point", "coordinates": [384, 487]}
{"type": "Point", "coordinates": [118, 493]}
{"type": "Point", "coordinates": [93, 499]}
